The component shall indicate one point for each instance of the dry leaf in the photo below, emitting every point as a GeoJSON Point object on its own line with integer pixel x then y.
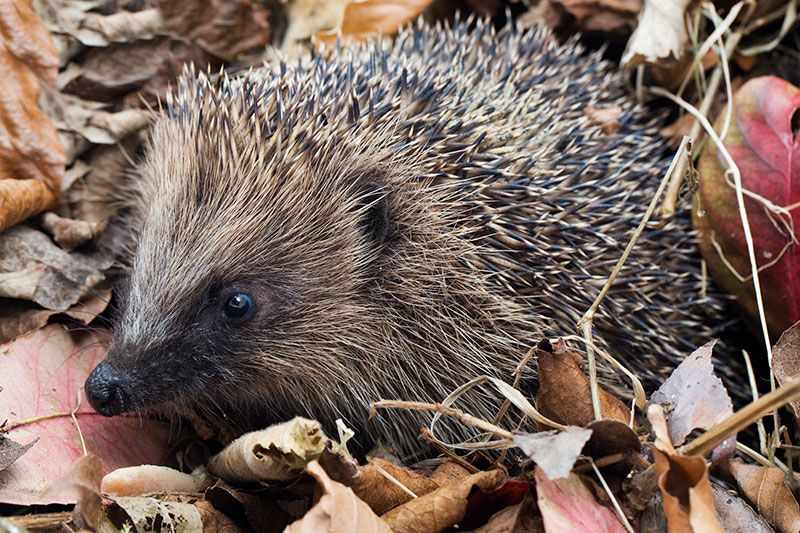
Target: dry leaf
{"type": "Point", "coordinates": [31, 155]}
{"type": "Point", "coordinates": [69, 233]}
{"type": "Point", "coordinates": [371, 484]}
{"type": "Point", "coordinates": [260, 510]}
{"type": "Point", "coordinates": [64, 278]}
{"type": "Point", "coordinates": [735, 516]}
{"type": "Point", "coordinates": [337, 511]}
{"type": "Point", "coordinates": [610, 437]}
{"type": "Point", "coordinates": [519, 518]}
{"type": "Point", "coordinates": [683, 481]}
{"type": "Point", "coordinates": [225, 28]}
{"type": "Point", "coordinates": [567, 505]}
{"type": "Point", "coordinates": [85, 477]}
{"type": "Point", "coordinates": [555, 452]}
{"type": "Point", "coordinates": [10, 451]}
{"type": "Point", "coordinates": [279, 452]}
{"type": "Point", "coordinates": [144, 479]}
{"type": "Point", "coordinates": [786, 360]}
{"type": "Point", "coordinates": [661, 33]}
{"type": "Point", "coordinates": [693, 396]}
{"type": "Point", "coordinates": [22, 317]}
{"type": "Point", "coordinates": [50, 365]}
{"type": "Point", "coordinates": [444, 507]}
{"type": "Point", "coordinates": [144, 513]}
{"type": "Point", "coordinates": [367, 18]}
{"type": "Point", "coordinates": [765, 488]}
{"type": "Point", "coordinates": [564, 393]}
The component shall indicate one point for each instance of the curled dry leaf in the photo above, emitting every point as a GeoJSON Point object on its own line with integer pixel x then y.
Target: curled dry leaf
{"type": "Point", "coordinates": [555, 452]}
{"type": "Point", "coordinates": [610, 437]}
{"type": "Point", "coordinates": [51, 365]}
{"type": "Point", "coordinates": [31, 155]}
{"type": "Point", "coordinates": [766, 489]}
{"type": "Point", "coordinates": [277, 453]}
{"type": "Point", "coordinates": [144, 479]}
{"type": "Point", "coordinates": [337, 511]}
{"type": "Point", "coordinates": [786, 360]}
{"type": "Point", "coordinates": [260, 510]}
{"type": "Point", "coordinates": [367, 18]}
{"type": "Point", "coordinates": [564, 394]}
{"type": "Point", "coordinates": [693, 396]}
{"type": "Point", "coordinates": [683, 482]}
{"type": "Point", "coordinates": [765, 145]}
{"type": "Point", "coordinates": [444, 507]}
{"type": "Point", "coordinates": [85, 476]}
{"type": "Point", "coordinates": [372, 482]}
{"type": "Point", "coordinates": [567, 505]}
{"type": "Point", "coordinates": [607, 117]}
{"type": "Point", "coordinates": [67, 232]}
{"type": "Point", "coordinates": [661, 33]}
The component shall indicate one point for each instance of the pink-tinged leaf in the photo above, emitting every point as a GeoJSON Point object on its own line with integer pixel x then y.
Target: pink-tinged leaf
{"type": "Point", "coordinates": [567, 505]}
{"type": "Point", "coordinates": [40, 375]}
{"type": "Point", "coordinates": [764, 143]}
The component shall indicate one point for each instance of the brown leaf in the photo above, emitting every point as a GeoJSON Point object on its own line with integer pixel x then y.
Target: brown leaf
{"type": "Point", "coordinates": [67, 232]}
{"type": "Point", "coordinates": [371, 484]}
{"type": "Point", "coordinates": [367, 18]}
{"type": "Point", "coordinates": [693, 396]}
{"type": "Point", "coordinates": [610, 437]}
{"type": "Point", "coordinates": [214, 520]}
{"type": "Point", "coordinates": [555, 452]}
{"type": "Point", "coordinates": [786, 360]}
{"type": "Point", "coordinates": [143, 512]}
{"type": "Point", "coordinates": [260, 511]}
{"type": "Point", "coordinates": [225, 28]}
{"type": "Point", "coordinates": [337, 511]}
{"type": "Point", "coordinates": [765, 488]}
{"type": "Point", "coordinates": [31, 155]}
{"type": "Point", "coordinates": [609, 17]}
{"type": "Point", "coordinates": [444, 507]}
{"type": "Point", "coordinates": [683, 481]}
{"type": "Point", "coordinates": [567, 505]}
{"type": "Point", "coordinates": [675, 131]}
{"type": "Point", "coordinates": [85, 476]}
{"type": "Point", "coordinates": [519, 518]}
{"type": "Point", "coordinates": [564, 394]}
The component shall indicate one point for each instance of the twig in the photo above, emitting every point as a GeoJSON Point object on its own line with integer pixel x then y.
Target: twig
{"type": "Point", "coordinates": [585, 323]}
{"type": "Point", "coordinates": [762, 432]}
{"type": "Point", "coordinates": [733, 170]}
{"type": "Point", "coordinates": [450, 411]}
{"type": "Point", "coordinates": [393, 479]}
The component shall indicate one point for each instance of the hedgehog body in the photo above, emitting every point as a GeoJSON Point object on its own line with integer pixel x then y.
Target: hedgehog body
{"type": "Point", "coordinates": [390, 221]}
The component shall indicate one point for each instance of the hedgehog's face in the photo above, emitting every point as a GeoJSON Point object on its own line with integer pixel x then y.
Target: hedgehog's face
{"type": "Point", "coordinates": [250, 277]}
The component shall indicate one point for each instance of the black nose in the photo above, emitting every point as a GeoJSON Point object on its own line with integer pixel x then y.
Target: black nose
{"type": "Point", "coordinates": [104, 391]}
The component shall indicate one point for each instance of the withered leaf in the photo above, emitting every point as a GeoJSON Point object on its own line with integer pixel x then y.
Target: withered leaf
{"type": "Point", "coordinates": [735, 516]}
{"type": "Point", "coordinates": [518, 518]}
{"type": "Point", "coordinates": [258, 510]}
{"type": "Point", "coordinates": [338, 511]}
{"type": "Point", "coordinates": [225, 28]}
{"type": "Point", "coordinates": [683, 481]}
{"type": "Point", "coordinates": [766, 489]}
{"type": "Point", "coordinates": [10, 451]}
{"type": "Point", "coordinates": [694, 396]}
{"type": "Point", "coordinates": [368, 18]}
{"type": "Point", "coordinates": [555, 452]}
{"type": "Point", "coordinates": [142, 513]}
{"type": "Point", "coordinates": [564, 394]}
{"type": "Point", "coordinates": [31, 155]}
{"type": "Point", "coordinates": [67, 232]}
{"type": "Point", "coordinates": [661, 33]}
{"type": "Point", "coordinates": [444, 507]}
{"type": "Point", "coordinates": [279, 452]}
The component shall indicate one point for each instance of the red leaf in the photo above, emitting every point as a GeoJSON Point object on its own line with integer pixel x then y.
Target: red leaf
{"type": "Point", "coordinates": [40, 374]}
{"type": "Point", "coordinates": [767, 151]}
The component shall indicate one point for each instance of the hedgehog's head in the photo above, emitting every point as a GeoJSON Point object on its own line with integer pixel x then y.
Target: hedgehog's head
{"type": "Point", "coordinates": [284, 248]}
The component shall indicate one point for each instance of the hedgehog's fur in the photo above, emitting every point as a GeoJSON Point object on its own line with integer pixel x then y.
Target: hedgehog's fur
{"type": "Point", "coordinates": [495, 211]}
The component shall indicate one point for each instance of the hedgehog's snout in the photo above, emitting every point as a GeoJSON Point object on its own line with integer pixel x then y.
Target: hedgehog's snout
{"type": "Point", "coordinates": [105, 391]}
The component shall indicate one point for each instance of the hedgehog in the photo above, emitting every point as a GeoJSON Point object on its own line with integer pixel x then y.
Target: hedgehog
{"type": "Point", "coordinates": [387, 221]}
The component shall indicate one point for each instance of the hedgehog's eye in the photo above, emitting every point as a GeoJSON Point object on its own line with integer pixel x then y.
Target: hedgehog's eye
{"type": "Point", "coordinates": [239, 305]}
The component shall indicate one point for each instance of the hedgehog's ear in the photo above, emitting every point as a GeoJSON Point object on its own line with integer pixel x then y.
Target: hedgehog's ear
{"type": "Point", "coordinates": [373, 205]}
